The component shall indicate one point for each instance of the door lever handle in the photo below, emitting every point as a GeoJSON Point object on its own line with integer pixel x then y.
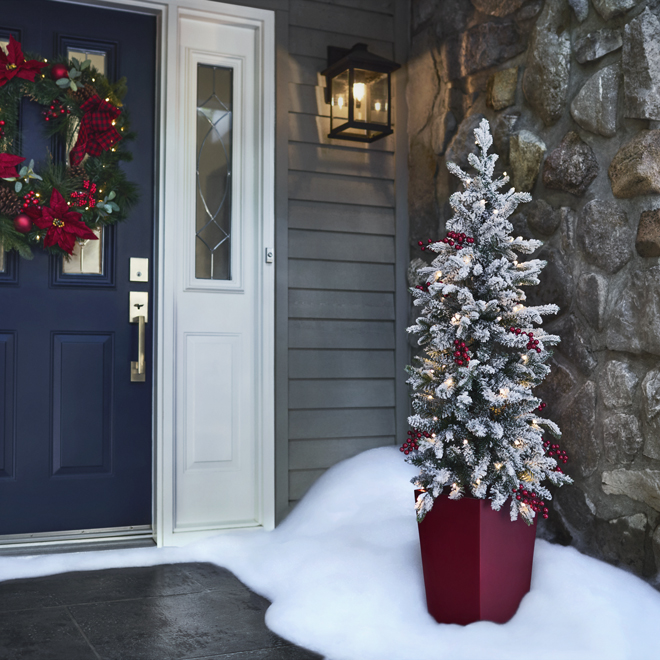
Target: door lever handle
{"type": "Point", "coordinates": [139, 369]}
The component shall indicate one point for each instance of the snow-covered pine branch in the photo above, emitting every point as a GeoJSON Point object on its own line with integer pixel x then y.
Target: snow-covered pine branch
{"type": "Point", "coordinates": [477, 428]}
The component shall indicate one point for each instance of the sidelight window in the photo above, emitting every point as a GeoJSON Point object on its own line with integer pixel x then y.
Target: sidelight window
{"type": "Point", "coordinates": [213, 173]}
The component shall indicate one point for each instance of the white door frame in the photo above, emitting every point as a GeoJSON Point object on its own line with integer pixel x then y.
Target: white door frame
{"type": "Point", "coordinates": [167, 199]}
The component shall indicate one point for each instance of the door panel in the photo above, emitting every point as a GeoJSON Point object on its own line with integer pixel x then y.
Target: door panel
{"type": "Point", "coordinates": [78, 454]}
{"type": "Point", "coordinates": [82, 403]}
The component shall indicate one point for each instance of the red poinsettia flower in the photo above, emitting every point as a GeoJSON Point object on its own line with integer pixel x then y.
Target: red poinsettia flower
{"type": "Point", "coordinates": [8, 165]}
{"type": "Point", "coordinates": [14, 64]}
{"type": "Point", "coordinates": [61, 222]}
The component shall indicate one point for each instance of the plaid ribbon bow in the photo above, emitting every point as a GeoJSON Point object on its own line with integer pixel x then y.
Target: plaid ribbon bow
{"type": "Point", "coordinates": [97, 131]}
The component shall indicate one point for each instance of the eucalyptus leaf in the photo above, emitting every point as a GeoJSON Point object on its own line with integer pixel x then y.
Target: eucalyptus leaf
{"type": "Point", "coordinates": [17, 186]}
{"type": "Point", "coordinates": [74, 87]}
{"type": "Point", "coordinates": [108, 208]}
{"type": "Point", "coordinates": [112, 195]}
{"type": "Point", "coordinates": [62, 82]}
{"type": "Point", "coordinates": [75, 62]}
{"type": "Point", "coordinates": [36, 176]}
{"type": "Point", "coordinates": [24, 171]}
{"type": "Point", "coordinates": [115, 206]}
{"type": "Point", "coordinates": [31, 166]}
{"type": "Point", "coordinates": [74, 73]}
{"type": "Point", "coordinates": [85, 65]}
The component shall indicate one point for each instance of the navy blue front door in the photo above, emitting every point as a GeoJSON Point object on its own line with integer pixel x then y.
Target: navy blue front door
{"type": "Point", "coordinates": [75, 432]}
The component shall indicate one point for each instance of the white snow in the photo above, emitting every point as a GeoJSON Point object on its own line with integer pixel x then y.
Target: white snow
{"type": "Point", "coordinates": [350, 586]}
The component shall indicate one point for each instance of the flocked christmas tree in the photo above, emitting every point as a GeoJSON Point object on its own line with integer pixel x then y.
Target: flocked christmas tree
{"type": "Point", "coordinates": [477, 428]}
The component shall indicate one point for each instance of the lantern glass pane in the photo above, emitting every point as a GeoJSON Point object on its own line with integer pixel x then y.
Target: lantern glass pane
{"type": "Point", "coordinates": [370, 96]}
{"type": "Point", "coordinates": [339, 100]}
{"type": "Point", "coordinates": [214, 172]}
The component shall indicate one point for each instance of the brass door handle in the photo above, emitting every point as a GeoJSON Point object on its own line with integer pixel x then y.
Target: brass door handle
{"type": "Point", "coordinates": [139, 369]}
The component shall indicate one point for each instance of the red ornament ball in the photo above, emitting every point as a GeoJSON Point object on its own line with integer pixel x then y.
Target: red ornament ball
{"type": "Point", "coordinates": [23, 223]}
{"type": "Point", "coordinates": [58, 71]}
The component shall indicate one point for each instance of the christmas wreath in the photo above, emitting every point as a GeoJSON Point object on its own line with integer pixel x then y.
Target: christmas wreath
{"type": "Point", "coordinates": [64, 202]}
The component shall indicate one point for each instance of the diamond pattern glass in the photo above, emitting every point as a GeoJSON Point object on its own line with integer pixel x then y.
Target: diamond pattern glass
{"type": "Point", "coordinates": [213, 172]}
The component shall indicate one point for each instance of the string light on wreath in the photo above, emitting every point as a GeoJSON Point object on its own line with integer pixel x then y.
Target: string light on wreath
{"type": "Point", "coordinates": [76, 100]}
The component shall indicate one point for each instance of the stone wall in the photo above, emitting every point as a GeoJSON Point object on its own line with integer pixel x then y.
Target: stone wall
{"type": "Point", "coordinates": [572, 91]}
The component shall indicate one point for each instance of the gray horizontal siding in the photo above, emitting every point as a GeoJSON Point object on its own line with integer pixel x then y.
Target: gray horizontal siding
{"type": "Point", "coordinates": [380, 6]}
{"type": "Point", "coordinates": [356, 22]}
{"type": "Point", "coordinates": [322, 454]}
{"type": "Point", "coordinates": [340, 275]}
{"type": "Point", "coordinates": [308, 128]}
{"type": "Point", "coordinates": [341, 254]}
{"type": "Point", "coordinates": [366, 248]}
{"type": "Point", "coordinates": [345, 423]}
{"type": "Point", "coordinates": [304, 70]}
{"type": "Point", "coordinates": [314, 43]}
{"type": "Point", "coordinates": [300, 481]}
{"type": "Point", "coordinates": [339, 393]}
{"type": "Point", "coordinates": [374, 335]}
{"type": "Point", "coordinates": [348, 218]}
{"type": "Point", "coordinates": [313, 363]}
{"type": "Point", "coordinates": [337, 160]}
{"type": "Point", "coordinates": [349, 305]}
{"type": "Point", "coordinates": [309, 100]}
{"type": "Point", "coordinates": [320, 187]}
{"type": "Point", "coordinates": [265, 4]}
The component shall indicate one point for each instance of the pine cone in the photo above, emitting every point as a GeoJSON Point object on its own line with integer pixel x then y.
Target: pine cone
{"type": "Point", "coordinates": [10, 203]}
{"type": "Point", "coordinates": [78, 172]}
{"type": "Point", "coordinates": [82, 94]}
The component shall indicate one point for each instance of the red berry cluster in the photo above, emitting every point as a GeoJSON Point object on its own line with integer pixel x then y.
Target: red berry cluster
{"type": "Point", "coordinates": [532, 344]}
{"type": "Point", "coordinates": [542, 406]}
{"type": "Point", "coordinates": [2, 128]}
{"type": "Point", "coordinates": [30, 199]}
{"type": "Point", "coordinates": [85, 197]}
{"type": "Point", "coordinates": [411, 441]}
{"type": "Point", "coordinates": [456, 240]}
{"type": "Point", "coordinates": [531, 498]}
{"type": "Point", "coordinates": [421, 244]}
{"type": "Point", "coordinates": [557, 453]}
{"type": "Point", "coordinates": [55, 110]}
{"type": "Point", "coordinates": [461, 356]}
{"type": "Point", "coordinates": [424, 287]}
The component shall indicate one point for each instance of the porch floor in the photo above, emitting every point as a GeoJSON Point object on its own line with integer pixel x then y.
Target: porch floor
{"type": "Point", "coordinates": [166, 612]}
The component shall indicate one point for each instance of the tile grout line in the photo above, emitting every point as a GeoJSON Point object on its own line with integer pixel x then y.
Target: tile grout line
{"type": "Point", "coordinates": [248, 652]}
{"type": "Point", "coordinates": [80, 630]}
{"type": "Point", "coordinates": [103, 602]}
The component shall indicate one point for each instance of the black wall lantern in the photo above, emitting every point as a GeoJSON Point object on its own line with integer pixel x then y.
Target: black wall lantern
{"type": "Point", "coordinates": [359, 91]}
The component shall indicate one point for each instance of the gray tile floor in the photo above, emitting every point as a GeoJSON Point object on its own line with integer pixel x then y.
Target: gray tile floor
{"type": "Point", "coordinates": [168, 612]}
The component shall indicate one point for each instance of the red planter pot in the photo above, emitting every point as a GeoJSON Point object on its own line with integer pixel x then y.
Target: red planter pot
{"type": "Point", "coordinates": [477, 563]}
